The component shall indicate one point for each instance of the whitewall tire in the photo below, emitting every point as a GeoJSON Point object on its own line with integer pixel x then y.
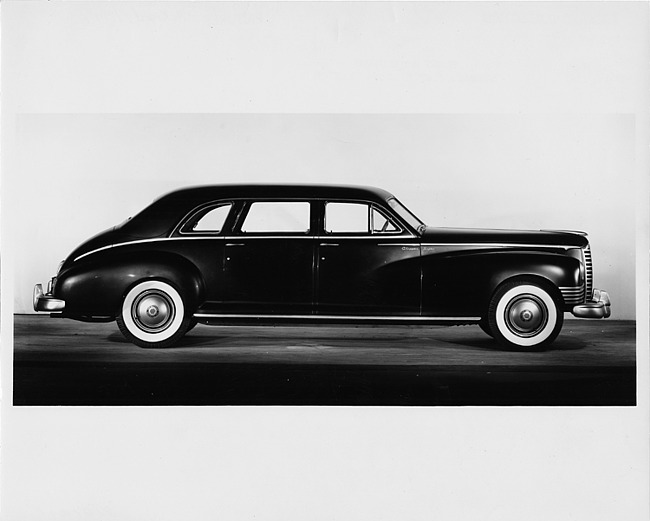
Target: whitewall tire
{"type": "Point", "coordinates": [525, 315]}
{"type": "Point", "coordinates": [153, 314]}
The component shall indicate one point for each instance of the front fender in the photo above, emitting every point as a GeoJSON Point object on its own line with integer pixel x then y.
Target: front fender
{"type": "Point", "coordinates": [462, 283]}
{"type": "Point", "coordinates": [559, 270]}
{"type": "Point", "coordinates": [97, 285]}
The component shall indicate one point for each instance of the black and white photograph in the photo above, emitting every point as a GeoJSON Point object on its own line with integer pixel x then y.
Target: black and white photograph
{"type": "Point", "coordinates": [325, 260]}
{"type": "Point", "coordinates": [323, 292]}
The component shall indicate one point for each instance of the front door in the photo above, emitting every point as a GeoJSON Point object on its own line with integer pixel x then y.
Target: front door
{"type": "Point", "coordinates": [367, 264]}
{"type": "Point", "coordinates": [269, 258]}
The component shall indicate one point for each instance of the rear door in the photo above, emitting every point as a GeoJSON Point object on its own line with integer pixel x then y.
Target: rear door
{"type": "Point", "coordinates": [367, 264]}
{"type": "Point", "coordinates": [269, 259]}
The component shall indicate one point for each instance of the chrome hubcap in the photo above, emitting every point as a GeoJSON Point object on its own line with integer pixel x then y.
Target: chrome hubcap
{"type": "Point", "coordinates": [153, 311]}
{"type": "Point", "coordinates": [526, 315]}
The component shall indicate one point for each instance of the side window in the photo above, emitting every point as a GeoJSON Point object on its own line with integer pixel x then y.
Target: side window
{"type": "Point", "coordinates": [347, 218]}
{"type": "Point", "coordinates": [380, 224]}
{"type": "Point", "coordinates": [213, 220]}
{"type": "Point", "coordinates": [210, 221]}
{"type": "Point", "coordinates": [277, 217]}
{"type": "Point", "coordinates": [358, 218]}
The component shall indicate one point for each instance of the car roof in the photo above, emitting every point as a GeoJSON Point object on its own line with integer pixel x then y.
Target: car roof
{"type": "Point", "coordinates": [164, 213]}
{"type": "Point", "coordinates": [306, 191]}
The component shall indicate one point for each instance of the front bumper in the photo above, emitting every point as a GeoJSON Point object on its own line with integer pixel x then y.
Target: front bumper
{"type": "Point", "coordinates": [46, 302]}
{"type": "Point", "coordinates": [598, 307]}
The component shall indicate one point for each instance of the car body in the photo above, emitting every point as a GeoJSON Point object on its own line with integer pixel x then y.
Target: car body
{"type": "Point", "coordinates": [226, 254]}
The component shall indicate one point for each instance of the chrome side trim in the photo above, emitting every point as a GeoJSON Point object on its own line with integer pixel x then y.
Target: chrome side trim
{"type": "Point", "coordinates": [500, 245]}
{"type": "Point", "coordinates": [334, 317]}
{"type": "Point", "coordinates": [332, 237]}
{"type": "Point", "coordinates": [245, 236]}
{"type": "Point", "coordinates": [239, 237]}
{"type": "Point", "coordinates": [385, 239]}
{"type": "Point", "coordinates": [91, 252]}
{"type": "Point", "coordinates": [409, 244]}
{"type": "Point", "coordinates": [143, 241]}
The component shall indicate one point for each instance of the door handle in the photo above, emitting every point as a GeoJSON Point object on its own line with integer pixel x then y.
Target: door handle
{"type": "Point", "coordinates": [235, 244]}
{"type": "Point", "coordinates": [328, 244]}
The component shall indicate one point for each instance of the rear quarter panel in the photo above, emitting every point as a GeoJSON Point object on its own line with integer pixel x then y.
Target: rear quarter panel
{"type": "Point", "coordinates": [95, 285]}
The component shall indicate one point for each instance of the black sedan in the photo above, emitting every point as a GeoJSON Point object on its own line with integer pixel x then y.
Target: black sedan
{"type": "Point", "coordinates": [304, 254]}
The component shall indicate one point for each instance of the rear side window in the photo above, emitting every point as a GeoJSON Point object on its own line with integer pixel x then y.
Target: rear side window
{"type": "Point", "coordinates": [211, 220]}
{"type": "Point", "coordinates": [277, 217]}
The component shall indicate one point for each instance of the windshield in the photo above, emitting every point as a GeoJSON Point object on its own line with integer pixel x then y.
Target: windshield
{"type": "Point", "coordinates": [406, 214]}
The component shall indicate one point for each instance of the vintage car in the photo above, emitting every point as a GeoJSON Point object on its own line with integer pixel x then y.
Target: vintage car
{"type": "Point", "coordinates": [245, 254]}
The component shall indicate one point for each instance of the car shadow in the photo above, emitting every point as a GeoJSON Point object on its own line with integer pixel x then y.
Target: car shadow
{"type": "Point", "coordinates": [489, 344]}
{"type": "Point", "coordinates": [568, 344]}
{"type": "Point", "coordinates": [481, 343]}
{"type": "Point", "coordinates": [186, 341]}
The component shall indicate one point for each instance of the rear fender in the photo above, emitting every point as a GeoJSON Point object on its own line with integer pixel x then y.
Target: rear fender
{"type": "Point", "coordinates": [98, 286]}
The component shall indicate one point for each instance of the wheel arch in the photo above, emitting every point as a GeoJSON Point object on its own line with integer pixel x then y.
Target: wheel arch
{"type": "Point", "coordinates": [534, 278]}
{"type": "Point", "coordinates": [551, 271]}
{"type": "Point", "coordinates": [172, 268]}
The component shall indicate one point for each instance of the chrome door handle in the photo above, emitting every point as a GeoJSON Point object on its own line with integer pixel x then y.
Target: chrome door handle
{"type": "Point", "coordinates": [328, 244]}
{"type": "Point", "coordinates": [235, 244]}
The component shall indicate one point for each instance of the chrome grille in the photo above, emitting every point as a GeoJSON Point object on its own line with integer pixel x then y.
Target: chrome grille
{"type": "Point", "coordinates": [589, 274]}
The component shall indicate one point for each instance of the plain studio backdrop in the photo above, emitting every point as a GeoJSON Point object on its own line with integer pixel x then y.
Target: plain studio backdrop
{"type": "Point", "coordinates": [488, 114]}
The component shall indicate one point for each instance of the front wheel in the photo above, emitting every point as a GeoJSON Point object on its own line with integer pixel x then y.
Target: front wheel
{"type": "Point", "coordinates": [525, 315]}
{"type": "Point", "coordinates": [153, 315]}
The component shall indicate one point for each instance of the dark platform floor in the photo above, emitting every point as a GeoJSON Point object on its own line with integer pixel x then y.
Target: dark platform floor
{"type": "Point", "coordinates": [62, 362]}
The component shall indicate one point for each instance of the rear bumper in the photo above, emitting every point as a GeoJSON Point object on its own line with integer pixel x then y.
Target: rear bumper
{"type": "Point", "coordinates": [599, 307]}
{"type": "Point", "coordinates": [46, 302]}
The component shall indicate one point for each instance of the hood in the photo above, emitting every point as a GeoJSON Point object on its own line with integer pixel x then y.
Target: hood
{"type": "Point", "coordinates": [532, 237]}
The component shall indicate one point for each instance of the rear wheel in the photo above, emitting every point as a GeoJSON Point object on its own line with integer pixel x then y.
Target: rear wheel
{"type": "Point", "coordinates": [525, 315]}
{"type": "Point", "coordinates": [153, 315]}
